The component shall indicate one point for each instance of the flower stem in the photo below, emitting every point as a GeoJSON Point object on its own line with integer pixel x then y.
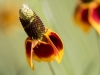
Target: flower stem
{"type": "Point", "coordinates": [98, 38]}
{"type": "Point", "coordinates": [52, 69]}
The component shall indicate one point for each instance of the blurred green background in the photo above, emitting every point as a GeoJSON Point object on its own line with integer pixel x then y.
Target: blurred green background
{"type": "Point", "coordinates": [81, 50]}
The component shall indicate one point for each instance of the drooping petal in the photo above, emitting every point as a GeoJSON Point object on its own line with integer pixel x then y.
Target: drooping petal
{"type": "Point", "coordinates": [55, 41]}
{"type": "Point", "coordinates": [58, 43]}
{"type": "Point", "coordinates": [94, 16]}
{"type": "Point", "coordinates": [29, 44]}
{"type": "Point", "coordinates": [81, 16]}
{"type": "Point", "coordinates": [44, 51]}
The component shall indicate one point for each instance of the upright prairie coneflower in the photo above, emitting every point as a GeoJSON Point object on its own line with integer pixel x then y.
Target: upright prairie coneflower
{"type": "Point", "coordinates": [42, 44]}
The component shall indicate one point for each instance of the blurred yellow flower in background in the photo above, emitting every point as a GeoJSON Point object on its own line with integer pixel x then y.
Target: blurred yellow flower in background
{"type": "Point", "coordinates": [9, 16]}
{"type": "Point", "coordinates": [81, 16]}
{"type": "Point", "coordinates": [94, 15]}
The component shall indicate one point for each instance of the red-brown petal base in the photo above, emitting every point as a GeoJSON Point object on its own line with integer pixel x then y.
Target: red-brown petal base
{"type": "Point", "coordinates": [29, 44]}
{"type": "Point", "coordinates": [55, 41]}
{"type": "Point", "coordinates": [81, 17]}
{"type": "Point", "coordinates": [44, 51]}
{"type": "Point", "coordinates": [47, 49]}
{"type": "Point", "coordinates": [94, 16]}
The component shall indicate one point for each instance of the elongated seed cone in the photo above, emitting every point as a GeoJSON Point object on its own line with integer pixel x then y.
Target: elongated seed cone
{"type": "Point", "coordinates": [31, 23]}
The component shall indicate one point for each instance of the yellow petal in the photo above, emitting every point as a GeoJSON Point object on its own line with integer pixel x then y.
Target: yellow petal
{"type": "Point", "coordinates": [36, 58]}
{"type": "Point", "coordinates": [81, 17]}
{"type": "Point", "coordinates": [29, 60]}
{"type": "Point", "coordinates": [43, 52]}
{"type": "Point", "coordinates": [94, 16]}
{"type": "Point", "coordinates": [29, 45]}
{"type": "Point", "coordinates": [55, 41]}
{"type": "Point", "coordinates": [59, 56]}
{"type": "Point", "coordinates": [49, 59]}
{"type": "Point", "coordinates": [29, 52]}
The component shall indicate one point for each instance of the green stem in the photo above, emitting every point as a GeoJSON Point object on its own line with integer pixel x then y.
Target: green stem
{"type": "Point", "coordinates": [52, 69]}
{"type": "Point", "coordinates": [98, 38]}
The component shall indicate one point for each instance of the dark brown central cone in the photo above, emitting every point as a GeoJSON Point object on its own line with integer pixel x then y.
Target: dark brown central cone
{"type": "Point", "coordinates": [34, 29]}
